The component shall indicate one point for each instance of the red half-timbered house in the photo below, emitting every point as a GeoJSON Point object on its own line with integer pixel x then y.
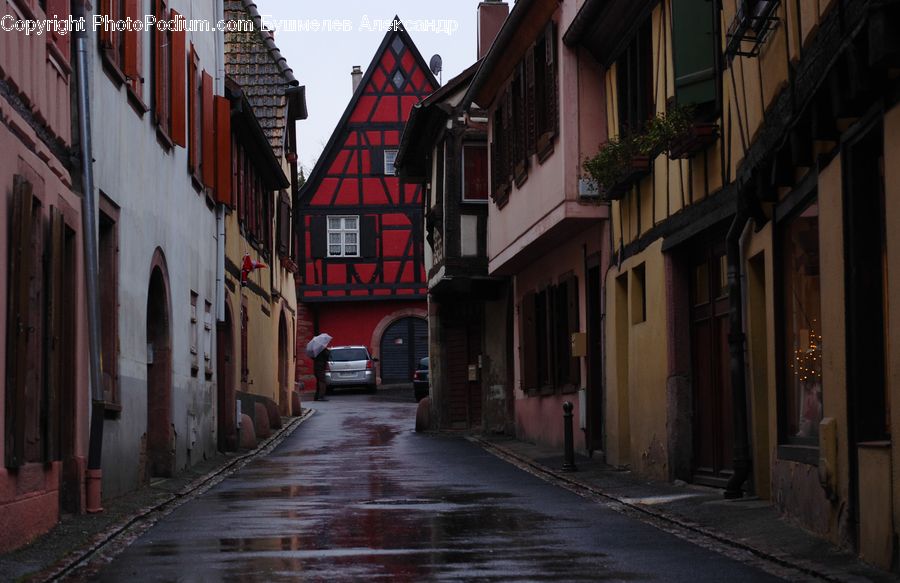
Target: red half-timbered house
{"type": "Point", "coordinates": [361, 241]}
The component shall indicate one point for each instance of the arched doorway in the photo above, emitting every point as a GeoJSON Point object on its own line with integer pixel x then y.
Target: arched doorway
{"type": "Point", "coordinates": [225, 393]}
{"type": "Point", "coordinates": [284, 394]}
{"type": "Point", "coordinates": [403, 344]}
{"type": "Point", "coordinates": [160, 446]}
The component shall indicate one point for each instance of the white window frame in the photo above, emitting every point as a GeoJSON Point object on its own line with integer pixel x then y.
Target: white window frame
{"type": "Point", "coordinates": [343, 231]}
{"type": "Point", "coordinates": [393, 169]}
{"type": "Point", "coordinates": [462, 166]}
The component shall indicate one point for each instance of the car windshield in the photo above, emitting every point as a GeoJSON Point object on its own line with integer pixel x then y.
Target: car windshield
{"type": "Point", "coordinates": [423, 364]}
{"type": "Point", "coordinates": [348, 354]}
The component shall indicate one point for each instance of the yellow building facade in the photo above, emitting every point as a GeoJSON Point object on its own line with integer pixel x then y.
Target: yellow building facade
{"type": "Point", "coordinates": [753, 293]}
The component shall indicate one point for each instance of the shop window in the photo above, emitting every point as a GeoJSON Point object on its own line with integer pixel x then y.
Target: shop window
{"type": "Point", "coordinates": [801, 327]}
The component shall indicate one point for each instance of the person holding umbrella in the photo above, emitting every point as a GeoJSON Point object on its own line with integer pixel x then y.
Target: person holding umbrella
{"type": "Point", "coordinates": [317, 349]}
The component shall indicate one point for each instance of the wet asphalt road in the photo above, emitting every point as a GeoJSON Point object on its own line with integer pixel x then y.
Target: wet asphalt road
{"type": "Point", "coordinates": [355, 495]}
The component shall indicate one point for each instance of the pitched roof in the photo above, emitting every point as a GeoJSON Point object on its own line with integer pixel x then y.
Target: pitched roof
{"type": "Point", "coordinates": [253, 60]}
{"type": "Point", "coordinates": [333, 145]}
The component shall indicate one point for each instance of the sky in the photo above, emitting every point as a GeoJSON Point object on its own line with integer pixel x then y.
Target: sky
{"type": "Point", "coordinates": [322, 60]}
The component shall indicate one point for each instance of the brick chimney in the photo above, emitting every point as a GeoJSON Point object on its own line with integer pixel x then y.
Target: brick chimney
{"type": "Point", "coordinates": [356, 74]}
{"type": "Point", "coordinates": [491, 16]}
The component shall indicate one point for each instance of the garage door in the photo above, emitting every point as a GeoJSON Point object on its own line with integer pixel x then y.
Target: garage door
{"type": "Point", "coordinates": [403, 344]}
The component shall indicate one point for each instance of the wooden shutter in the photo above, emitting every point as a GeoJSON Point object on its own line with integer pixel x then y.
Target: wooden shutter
{"type": "Point", "coordinates": [530, 98]}
{"type": "Point", "coordinates": [694, 51]}
{"type": "Point", "coordinates": [177, 54]}
{"type": "Point", "coordinates": [368, 237]}
{"type": "Point", "coordinates": [193, 133]}
{"type": "Point", "coordinates": [209, 133]}
{"type": "Point", "coordinates": [284, 223]}
{"type": "Point", "coordinates": [18, 331]}
{"type": "Point", "coordinates": [550, 78]}
{"type": "Point", "coordinates": [54, 347]}
{"type": "Point", "coordinates": [134, 52]}
{"type": "Point", "coordinates": [60, 8]}
{"type": "Point", "coordinates": [106, 35]}
{"type": "Point", "coordinates": [573, 325]}
{"type": "Point", "coordinates": [495, 165]}
{"type": "Point", "coordinates": [160, 114]}
{"type": "Point", "coordinates": [223, 151]}
{"type": "Point", "coordinates": [377, 161]}
{"type": "Point", "coordinates": [528, 342]}
{"type": "Point", "coordinates": [318, 237]}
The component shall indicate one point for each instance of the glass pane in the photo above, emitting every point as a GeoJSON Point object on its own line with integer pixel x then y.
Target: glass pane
{"type": "Point", "coordinates": [334, 238]}
{"type": "Point", "coordinates": [350, 250]}
{"type": "Point", "coordinates": [334, 223]}
{"type": "Point", "coordinates": [802, 331]}
{"type": "Point", "coordinates": [350, 223]}
{"type": "Point", "coordinates": [701, 284]}
{"type": "Point", "coordinates": [334, 250]}
{"type": "Point", "coordinates": [350, 238]}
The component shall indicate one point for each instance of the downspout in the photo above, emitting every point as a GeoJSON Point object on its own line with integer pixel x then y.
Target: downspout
{"type": "Point", "coordinates": [89, 238]}
{"type": "Point", "coordinates": [220, 208]}
{"type": "Point", "coordinates": [736, 339]}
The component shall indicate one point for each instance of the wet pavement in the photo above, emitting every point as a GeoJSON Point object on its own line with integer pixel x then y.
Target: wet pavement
{"type": "Point", "coordinates": [355, 494]}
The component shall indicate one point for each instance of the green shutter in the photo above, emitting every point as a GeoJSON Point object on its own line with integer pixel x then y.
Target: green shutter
{"type": "Point", "coordinates": [693, 42]}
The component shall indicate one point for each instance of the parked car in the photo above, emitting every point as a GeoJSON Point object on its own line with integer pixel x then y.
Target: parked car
{"type": "Point", "coordinates": [420, 380]}
{"type": "Point", "coordinates": [350, 366]}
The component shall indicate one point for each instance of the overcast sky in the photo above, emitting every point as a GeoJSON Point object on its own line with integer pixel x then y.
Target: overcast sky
{"type": "Point", "coordinates": [323, 60]}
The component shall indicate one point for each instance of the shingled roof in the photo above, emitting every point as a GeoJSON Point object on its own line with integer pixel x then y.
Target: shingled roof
{"type": "Point", "coordinates": [253, 60]}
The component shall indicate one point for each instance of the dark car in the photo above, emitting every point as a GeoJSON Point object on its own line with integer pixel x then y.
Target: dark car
{"type": "Point", "coordinates": [350, 366]}
{"type": "Point", "coordinates": [420, 380]}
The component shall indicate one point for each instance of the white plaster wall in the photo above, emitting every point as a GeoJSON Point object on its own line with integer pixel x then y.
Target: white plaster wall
{"type": "Point", "coordinates": [160, 208]}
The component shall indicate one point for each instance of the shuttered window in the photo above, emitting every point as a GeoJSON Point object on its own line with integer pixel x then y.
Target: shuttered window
{"type": "Point", "coordinates": [162, 77]}
{"type": "Point", "coordinates": [207, 140]}
{"type": "Point", "coordinates": [694, 52]}
{"type": "Point", "coordinates": [112, 45]}
{"type": "Point", "coordinates": [634, 80]}
{"type": "Point", "coordinates": [37, 331]}
{"type": "Point", "coordinates": [343, 236]}
{"type": "Point", "coordinates": [223, 152]}
{"type": "Point", "coordinates": [546, 90]}
{"type": "Point", "coordinates": [194, 119]}
{"type": "Point", "coordinates": [178, 57]}
{"type": "Point", "coordinates": [284, 224]}
{"type": "Point", "coordinates": [134, 50]}
{"type": "Point", "coordinates": [61, 9]}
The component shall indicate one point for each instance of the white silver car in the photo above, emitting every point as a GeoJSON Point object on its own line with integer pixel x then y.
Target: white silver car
{"type": "Point", "coordinates": [350, 366]}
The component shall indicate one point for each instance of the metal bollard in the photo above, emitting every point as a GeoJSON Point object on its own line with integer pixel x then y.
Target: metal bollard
{"type": "Point", "coordinates": [569, 459]}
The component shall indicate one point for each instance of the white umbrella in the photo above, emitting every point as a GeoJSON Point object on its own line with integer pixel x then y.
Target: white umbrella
{"type": "Point", "coordinates": [317, 345]}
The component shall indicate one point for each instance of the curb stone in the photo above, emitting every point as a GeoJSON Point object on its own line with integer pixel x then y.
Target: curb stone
{"type": "Point", "coordinates": [778, 564]}
{"type": "Point", "coordinates": [144, 518]}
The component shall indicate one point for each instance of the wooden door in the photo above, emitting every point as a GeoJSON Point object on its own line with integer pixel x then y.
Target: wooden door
{"type": "Point", "coordinates": [713, 430]}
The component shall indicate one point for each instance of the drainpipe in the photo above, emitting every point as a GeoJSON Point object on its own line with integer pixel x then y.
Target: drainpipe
{"type": "Point", "coordinates": [742, 459]}
{"type": "Point", "coordinates": [89, 237]}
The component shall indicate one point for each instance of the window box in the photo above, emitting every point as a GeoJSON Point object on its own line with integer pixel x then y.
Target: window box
{"type": "Point", "coordinates": [638, 167]}
{"type": "Point", "coordinates": [697, 138]}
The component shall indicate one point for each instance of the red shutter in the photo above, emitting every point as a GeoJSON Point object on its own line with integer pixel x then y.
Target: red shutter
{"type": "Point", "coordinates": [160, 70]}
{"type": "Point", "coordinates": [193, 144]}
{"type": "Point", "coordinates": [133, 66]}
{"type": "Point", "coordinates": [223, 151]}
{"type": "Point", "coordinates": [106, 36]}
{"type": "Point", "coordinates": [61, 9]}
{"type": "Point", "coordinates": [177, 54]}
{"type": "Point", "coordinates": [209, 134]}
{"type": "Point", "coordinates": [18, 328]}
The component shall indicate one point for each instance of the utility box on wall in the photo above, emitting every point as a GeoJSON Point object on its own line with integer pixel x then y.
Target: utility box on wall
{"type": "Point", "coordinates": [579, 344]}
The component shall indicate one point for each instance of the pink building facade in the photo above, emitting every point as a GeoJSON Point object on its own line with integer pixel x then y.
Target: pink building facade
{"type": "Point", "coordinates": [44, 410]}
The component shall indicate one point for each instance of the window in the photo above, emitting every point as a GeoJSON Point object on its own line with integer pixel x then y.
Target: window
{"type": "Point", "coordinates": [207, 339]}
{"type": "Point", "coordinates": [39, 337]}
{"type": "Point", "coordinates": [162, 74]}
{"type": "Point", "coordinates": [525, 119]}
{"type": "Point", "coordinates": [548, 318]}
{"type": "Point", "coordinates": [133, 50]}
{"type": "Point", "coordinates": [343, 236]}
{"type": "Point", "coordinates": [634, 80]}
{"type": "Point", "coordinates": [474, 179]}
{"type": "Point", "coordinates": [389, 157]}
{"type": "Point", "coordinates": [194, 114]}
{"type": "Point", "coordinates": [112, 42]}
{"type": "Point", "coordinates": [694, 54]}
{"type": "Point", "coordinates": [639, 294]}
{"type": "Point", "coordinates": [109, 301]}
{"type": "Point", "coordinates": [801, 327]}
{"type": "Point", "coordinates": [195, 365]}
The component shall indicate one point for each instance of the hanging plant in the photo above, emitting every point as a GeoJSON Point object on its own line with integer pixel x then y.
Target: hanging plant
{"type": "Point", "coordinates": [625, 159]}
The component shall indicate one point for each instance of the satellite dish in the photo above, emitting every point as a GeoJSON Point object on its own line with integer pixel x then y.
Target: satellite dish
{"type": "Point", "coordinates": [436, 65]}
